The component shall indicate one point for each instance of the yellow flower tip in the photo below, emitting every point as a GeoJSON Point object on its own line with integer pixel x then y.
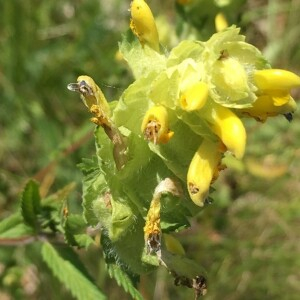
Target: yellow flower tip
{"type": "Point", "coordinates": [203, 169]}
{"type": "Point", "coordinates": [155, 126]}
{"type": "Point", "coordinates": [276, 79]}
{"type": "Point", "coordinates": [194, 98]}
{"type": "Point", "coordinates": [142, 24]}
{"type": "Point", "coordinates": [220, 22]}
{"type": "Point", "coordinates": [164, 138]}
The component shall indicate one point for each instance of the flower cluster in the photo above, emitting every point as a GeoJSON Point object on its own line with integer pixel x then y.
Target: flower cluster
{"type": "Point", "coordinates": [165, 138]}
{"type": "Point", "coordinates": [214, 83]}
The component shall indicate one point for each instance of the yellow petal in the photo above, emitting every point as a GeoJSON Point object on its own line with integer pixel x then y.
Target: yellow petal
{"type": "Point", "coordinates": [143, 24]}
{"type": "Point", "coordinates": [264, 107]}
{"type": "Point", "coordinates": [276, 79]}
{"type": "Point", "coordinates": [194, 98]}
{"type": "Point", "coordinates": [203, 170]}
{"type": "Point", "coordinates": [279, 97]}
{"type": "Point", "coordinates": [228, 127]}
{"type": "Point", "coordinates": [155, 125]}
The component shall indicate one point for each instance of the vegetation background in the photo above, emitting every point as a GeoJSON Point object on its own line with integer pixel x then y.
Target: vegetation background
{"type": "Point", "coordinates": [248, 240]}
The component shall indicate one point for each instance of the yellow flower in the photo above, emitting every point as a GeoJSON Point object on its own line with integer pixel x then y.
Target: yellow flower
{"type": "Point", "coordinates": [203, 169]}
{"type": "Point", "coordinates": [276, 83]}
{"type": "Point", "coordinates": [155, 125]}
{"type": "Point", "coordinates": [194, 98]}
{"type": "Point", "coordinates": [143, 25]}
{"type": "Point", "coordinates": [228, 127]}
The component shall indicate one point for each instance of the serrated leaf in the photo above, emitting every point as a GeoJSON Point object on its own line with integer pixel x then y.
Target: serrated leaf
{"type": "Point", "coordinates": [124, 281]}
{"type": "Point", "coordinates": [142, 60]}
{"type": "Point", "coordinates": [18, 230]}
{"type": "Point", "coordinates": [10, 222]}
{"type": "Point", "coordinates": [134, 99]}
{"type": "Point", "coordinates": [88, 165]}
{"type": "Point", "coordinates": [30, 203]}
{"type": "Point", "coordinates": [94, 184]}
{"type": "Point", "coordinates": [74, 280]}
{"type": "Point", "coordinates": [185, 49]}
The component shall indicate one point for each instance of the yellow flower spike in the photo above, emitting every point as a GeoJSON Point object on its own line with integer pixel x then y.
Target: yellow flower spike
{"type": "Point", "coordinates": [220, 22]}
{"type": "Point", "coordinates": [143, 25]}
{"type": "Point", "coordinates": [155, 125]}
{"type": "Point", "coordinates": [194, 98]}
{"type": "Point", "coordinates": [173, 245]}
{"type": "Point", "coordinates": [275, 79]}
{"type": "Point", "coordinates": [264, 107]}
{"type": "Point", "coordinates": [203, 170]}
{"type": "Point", "coordinates": [228, 127]}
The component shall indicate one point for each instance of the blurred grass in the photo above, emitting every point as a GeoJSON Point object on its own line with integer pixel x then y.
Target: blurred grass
{"type": "Point", "coordinates": [248, 240]}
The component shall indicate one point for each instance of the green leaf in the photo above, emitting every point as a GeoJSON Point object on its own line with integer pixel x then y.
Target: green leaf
{"type": "Point", "coordinates": [30, 203]}
{"type": "Point", "coordinates": [124, 281]}
{"type": "Point", "coordinates": [185, 49]}
{"type": "Point", "coordinates": [94, 184]}
{"type": "Point", "coordinates": [181, 265]}
{"type": "Point", "coordinates": [17, 231]}
{"type": "Point", "coordinates": [75, 231]}
{"type": "Point", "coordinates": [11, 222]}
{"type": "Point", "coordinates": [74, 280]}
{"type": "Point", "coordinates": [142, 60]}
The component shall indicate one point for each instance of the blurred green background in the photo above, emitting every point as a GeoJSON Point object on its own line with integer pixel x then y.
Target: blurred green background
{"type": "Point", "coordinates": [248, 240]}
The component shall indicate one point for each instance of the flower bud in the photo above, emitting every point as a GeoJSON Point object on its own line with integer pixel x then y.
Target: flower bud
{"type": "Point", "coordinates": [143, 24]}
{"type": "Point", "coordinates": [194, 98]}
{"type": "Point", "coordinates": [155, 125]}
{"type": "Point", "coordinates": [203, 169]}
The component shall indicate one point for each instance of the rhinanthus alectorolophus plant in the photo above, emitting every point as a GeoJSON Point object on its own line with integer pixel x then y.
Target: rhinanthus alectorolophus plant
{"type": "Point", "coordinates": [159, 148]}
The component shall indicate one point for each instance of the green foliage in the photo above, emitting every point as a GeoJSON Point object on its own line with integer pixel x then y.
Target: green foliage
{"type": "Point", "coordinates": [14, 226]}
{"type": "Point", "coordinates": [79, 286]}
{"type": "Point", "coordinates": [75, 232]}
{"type": "Point", "coordinates": [30, 203]}
{"type": "Point", "coordinates": [123, 280]}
